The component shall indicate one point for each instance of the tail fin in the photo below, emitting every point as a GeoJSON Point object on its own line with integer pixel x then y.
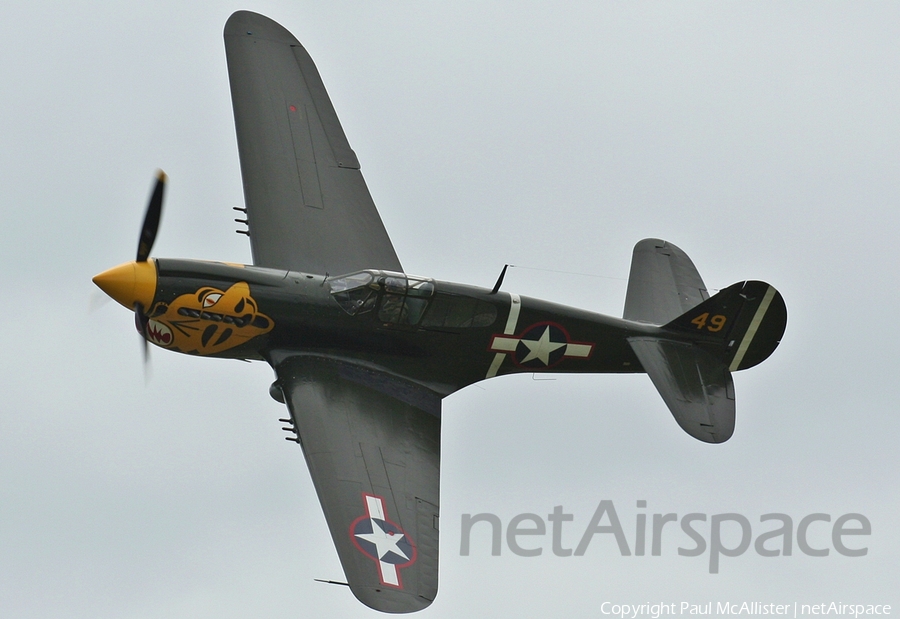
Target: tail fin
{"type": "Point", "coordinates": [703, 339]}
{"type": "Point", "coordinates": [691, 362]}
{"type": "Point", "coordinates": [741, 325]}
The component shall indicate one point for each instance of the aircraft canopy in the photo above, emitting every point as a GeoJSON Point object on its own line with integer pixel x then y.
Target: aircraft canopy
{"type": "Point", "coordinates": [404, 298]}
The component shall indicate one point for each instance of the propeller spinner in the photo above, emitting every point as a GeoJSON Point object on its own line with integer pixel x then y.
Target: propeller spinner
{"type": "Point", "coordinates": [133, 284]}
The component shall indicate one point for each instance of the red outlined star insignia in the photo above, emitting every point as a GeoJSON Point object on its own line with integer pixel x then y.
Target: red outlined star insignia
{"type": "Point", "coordinates": [382, 541]}
{"type": "Point", "coordinates": [540, 346]}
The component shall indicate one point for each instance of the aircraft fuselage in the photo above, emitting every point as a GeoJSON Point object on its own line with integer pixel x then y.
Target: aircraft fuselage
{"type": "Point", "coordinates": [459, 333]}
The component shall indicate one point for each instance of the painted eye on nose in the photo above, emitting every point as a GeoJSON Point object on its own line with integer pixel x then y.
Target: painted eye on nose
{"type": "Point", "coordinates": [211, 299]}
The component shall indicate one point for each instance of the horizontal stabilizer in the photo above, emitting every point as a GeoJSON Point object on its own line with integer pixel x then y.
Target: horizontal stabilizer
{"type": "Point", "coordinates": [695, 386]}
{"type": "Point", "coordinates": [663, 283]}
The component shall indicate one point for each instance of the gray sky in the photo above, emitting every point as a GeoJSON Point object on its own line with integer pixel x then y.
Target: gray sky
{"type": "Point", "coordinates": [763, 139]}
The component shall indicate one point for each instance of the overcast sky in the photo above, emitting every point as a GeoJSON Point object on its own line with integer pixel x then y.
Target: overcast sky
{"type": "Point", "coordinates": [763, 139]}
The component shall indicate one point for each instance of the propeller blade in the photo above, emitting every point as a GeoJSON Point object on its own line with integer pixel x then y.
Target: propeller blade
{"type": "Point", "coordinates": [97, 300]}
{"type": "Point", "coordinates": [141, 321]}
{"type": "Point", "coordinates": [151, 218]}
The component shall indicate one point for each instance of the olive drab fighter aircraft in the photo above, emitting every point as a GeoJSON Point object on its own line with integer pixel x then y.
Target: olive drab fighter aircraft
{"type": "Point", "coordinates": [363, 352]}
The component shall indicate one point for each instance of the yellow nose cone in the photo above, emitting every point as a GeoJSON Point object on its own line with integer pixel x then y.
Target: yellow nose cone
{"type": "Point", "coordinates": [130, 283]}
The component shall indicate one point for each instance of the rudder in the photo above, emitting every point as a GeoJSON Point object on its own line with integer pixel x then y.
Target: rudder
{"type": "Point", "coordinates": [741, 325]}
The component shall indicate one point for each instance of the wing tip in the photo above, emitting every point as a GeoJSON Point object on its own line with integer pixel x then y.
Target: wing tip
{"type": "Point", "coordinates": [248, 23]}
{"type": "Point", "coordinates": [389, 600]}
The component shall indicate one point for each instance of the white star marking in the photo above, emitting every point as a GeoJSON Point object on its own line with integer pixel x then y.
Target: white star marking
{"type": "Point", "coordinates": [541, 348]}
{"type": "Point", "coordinates": [384, 541]}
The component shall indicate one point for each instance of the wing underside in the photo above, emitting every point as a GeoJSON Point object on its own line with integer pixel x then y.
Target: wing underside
{"type": "Point", "coordinates": [372, 443]}
{"type": "Point", "coordinates": [308, 207]}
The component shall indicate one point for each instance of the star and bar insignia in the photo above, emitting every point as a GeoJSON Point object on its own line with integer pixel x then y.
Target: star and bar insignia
{"type": "Point", "coordinates": [382, 541]}
{"type": "Point", "coordinates": [540, 346]}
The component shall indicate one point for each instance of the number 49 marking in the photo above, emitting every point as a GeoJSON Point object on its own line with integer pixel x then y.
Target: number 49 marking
{"type": "Point", "coordinates": [712, 325]}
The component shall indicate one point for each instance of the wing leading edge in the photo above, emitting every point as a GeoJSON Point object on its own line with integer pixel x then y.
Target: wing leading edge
{"type": "Point", "coordinates": [308, 207]}
{"type": "Point", "coordinates": [372, 443]}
